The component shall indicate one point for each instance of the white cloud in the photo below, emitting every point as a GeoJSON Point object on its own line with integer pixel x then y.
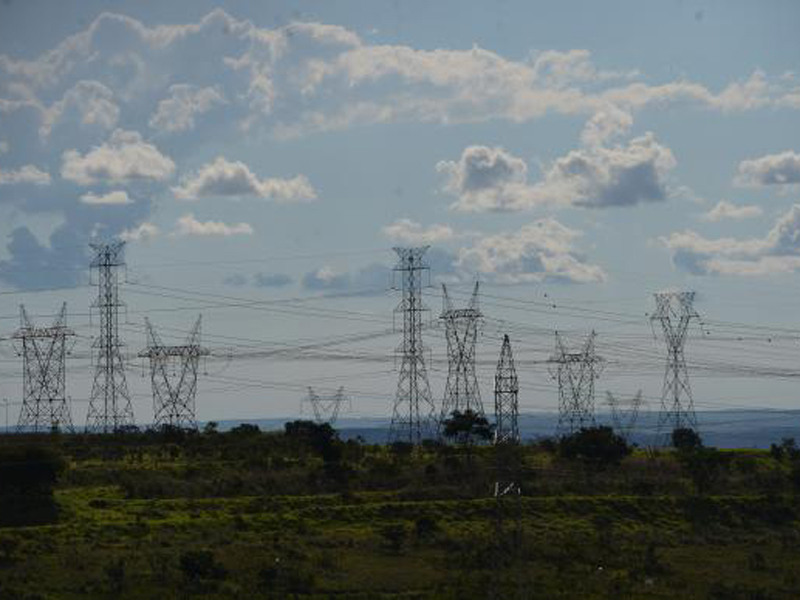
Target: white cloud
{"type": "Point", "coordinates": [24, 174]}
{"type": "Point", "coordinates": [92, 102]}
{"type": "Point", "coordinates": [607, 123]}
{"type": "Point", "coordinates": [409, 232]}
{"type": "Point", "coordinates": [234, 179]}
{"type": "Point", "coordinates": [143, 232]}
{"type": "Point", "coordinates": [491, 179]}
{"type": "Point", "coordinates": [188, 225]}
{"type": "Point", "coordinates": [114, 197]}
{"type": "Point", "coordinates": [728, 210]}
{"type": "Point", "coordinates": [4, 146]}
{"type": "Point", "coordinates": [186, 101]}
{"type": "Point", "coordinates": [772, 169]}
{"type": "Point", "coordinates": [540, 251]}
{"type": "Point", "coordinates": [777, 252]}
{"type": "Point", "coordinates": [124, 157]}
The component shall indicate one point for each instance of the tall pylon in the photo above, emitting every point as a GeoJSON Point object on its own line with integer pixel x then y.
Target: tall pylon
{"type": "Point", "coordinates": [173, 375]}
{"type": "Point", "coordinates": [576, 373]}
{"type": "Point", "coordinates": [506, 397]}
{"type": "Point", "coordinates": [110, 407]}
{"type": "Point", "coordinates": [508, 470]}
{"type": "Point", "coordinates": [413, 417]}
{"type": "Point", "coordinates": [461, 392]}
{"type": "Point", "coordinates": [43, 351]}
{"type": "Point", "coordinates": [327, 407]}
{"type": "Point", "coordinates": [675, 311]}
{"type": "Point", "coordinates": [624, 420]}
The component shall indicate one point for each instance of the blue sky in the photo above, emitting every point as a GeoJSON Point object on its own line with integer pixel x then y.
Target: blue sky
{"type": "Point", "coordinates": [567, 154]}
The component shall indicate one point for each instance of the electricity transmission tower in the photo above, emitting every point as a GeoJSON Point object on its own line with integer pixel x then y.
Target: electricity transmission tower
{"type": "Point", "coordinates": [43, 351]}
{"type": "Point", "coordinates": [624, 421]}
{"type": "Point", "coordinates": [110, 407]}
{"type": "Point", "coordinates": [413, 417]}
{"type": "Point", "coordinates": [506, 410]}
{"type": "Point", "coordinates": [675, 311]}
{"type": "Point", "coordinates": [575, 373]}
{"type": "Point", "coordinates": [507, 492]}
{"type": "Point", "coordinates": [173, 374]}
{"type": "Point", "coordinates": [461, 392]}
{"type": "Point", "coordinates": [327, 407]}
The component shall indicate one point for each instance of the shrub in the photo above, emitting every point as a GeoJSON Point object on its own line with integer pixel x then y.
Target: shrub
{"type": "Point", "coordinates": [395, 535]}
{"type": "Point", "coordinates": [686, 439]}
{"type": "Point", "coordinates": [197, 565]}
{"type": "Point", "coordinates": [597, 446]}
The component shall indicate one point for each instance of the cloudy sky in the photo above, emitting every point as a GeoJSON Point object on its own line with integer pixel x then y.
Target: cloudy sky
{"type": "Point", "coordinates": [261, 159]}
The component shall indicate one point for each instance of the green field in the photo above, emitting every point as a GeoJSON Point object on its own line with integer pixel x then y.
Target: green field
{"type": "Point", "coordinates": [248, 514]}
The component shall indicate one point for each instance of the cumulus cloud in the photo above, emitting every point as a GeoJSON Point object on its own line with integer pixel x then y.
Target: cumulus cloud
{"type": "Point", "coordinates": [234, 179]}
{"type": "Point", "coordinates": [307, 76]}
{"type": "Point", "coordinates": [185, 102]}
{"type": "Point", "coordinates": [142, 232]}
{"type": "Point", "coordinates": [24, 174]}
{"type": "Point", "coordinates": [326, 278]}
{"type": "Point", "coordinates": [123, 158]}
{"type": "Point", "coordinates": [539, 251]}
{"type": "Point", "coordinates": [491, 179]}
{"type": "Point", "coordinates": [235, 279]}
{"type": "Point", "coordinates": [92, 103]}
{"type": "Point", "coordinates": [772, 169]}
{"type": "Point", "coordinates": [271, 280]}
{"type": "Point", "coordinates": [727, 210]}
{"type": "Point", "coordinates": [373, 278]}
{"type": "Point", "coordinates": [188, 225]}
{"type": "Point", "coordinates": [114, 197]}
{"type": "Point", "coordinates": [407, 231]}
{"type": "Point", "coordinates": [607, 123]}
{"type": "Point", "coordinates": [777, 252]}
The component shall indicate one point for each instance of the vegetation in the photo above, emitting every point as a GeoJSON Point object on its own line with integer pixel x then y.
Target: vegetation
{"type": "Point", "coordinates": [300, 512]}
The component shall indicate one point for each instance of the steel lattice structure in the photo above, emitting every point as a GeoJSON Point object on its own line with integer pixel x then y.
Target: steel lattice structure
{"type": "Point", "coordinates": [507, 490]}
{"type": "Point", "coordinates": [413, 416]}
{"type": "Point", "coordinates": [173, 375]}
{"type": "Point", "coordinates": [110, 407]}
{"type": "Point", "coordinates": [576, 373]}
{"type": "Point", "coordinates": [624, 421]}
{"type": "Point", "coordinates": [327, 407]}
{"type": "Point", "coordinates": [461, 392]}
{"type": "Point", "coordinates": [43, 351]}
{"type": "Point", "coordinates": [675, 311]}
{"type": "Point", "coordinates": [506, 397]}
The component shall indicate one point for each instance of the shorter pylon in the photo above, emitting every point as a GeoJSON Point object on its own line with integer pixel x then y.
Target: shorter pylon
{"type": "Point", "coordinates": [44, 351]}
{"type": "Point", "coordinates": [327, 407]}
{"type": "Point", "coordinates": [575, 373]}
{"type": "Point", "coordinates": [173, 374]}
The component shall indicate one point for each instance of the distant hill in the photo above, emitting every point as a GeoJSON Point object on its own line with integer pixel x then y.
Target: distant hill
{"type": "Point", "coordinates": [721, 429]}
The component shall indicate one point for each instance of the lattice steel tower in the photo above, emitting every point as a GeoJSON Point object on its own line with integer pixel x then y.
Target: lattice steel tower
{"type": "Point", "coordinates": [413, 418]}
{"type": "Point", "coordinates": [43, 351]}
{"type": "Point", "coordinates": [461, 391]}
{"type": "Point", "coordinates": [173, 375]}
{"type": "Point", "coordinates": [506, 394]}
{"type": "Point", "coordinates": [508, 473]}
{"type": "Point", "coordinates": [506, 410]}
{"type": "Point", "coordinates": [575, 373]}
{"type": "Point", "coordinates": [327, 407]}
{"type": "Point", "coordinates": [675, 311]}
{"type": "Point", "coordinates": [110, 407]}
{"type": "Point", "coordinates": [624, 420]}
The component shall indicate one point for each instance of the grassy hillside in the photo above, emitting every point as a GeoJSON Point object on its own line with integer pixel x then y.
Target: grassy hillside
{"type": "Point", "coordinates": [249, 514]}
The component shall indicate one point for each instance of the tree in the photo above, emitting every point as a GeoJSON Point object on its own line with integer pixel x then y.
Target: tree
{"type": "Point", "coordinates": [596, 446]}
{"type": "Point", "coordinates": [686, 439]}
{"type": "Point", "coordinates": [466, 427]}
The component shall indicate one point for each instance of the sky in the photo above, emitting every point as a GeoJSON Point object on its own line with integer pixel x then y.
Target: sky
{"type": "Point", "coordinates": [262, 159]}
